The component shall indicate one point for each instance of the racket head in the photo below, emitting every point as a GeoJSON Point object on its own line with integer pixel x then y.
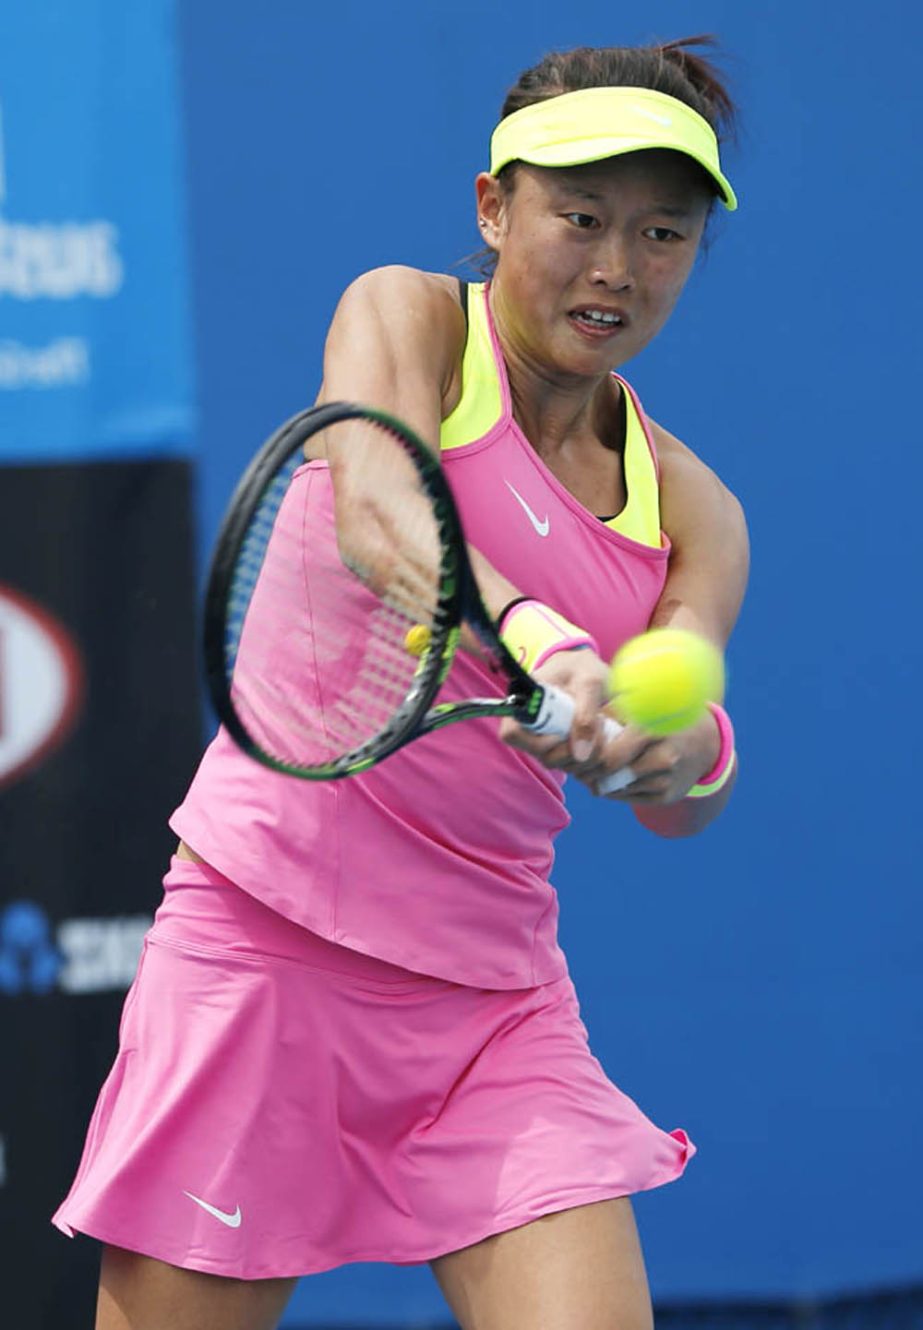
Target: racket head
{"type": "Point", "coordinates": [358, 705]}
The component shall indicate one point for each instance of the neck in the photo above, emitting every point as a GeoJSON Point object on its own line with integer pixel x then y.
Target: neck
{"type": "Point", "coordinates": [553, 408]}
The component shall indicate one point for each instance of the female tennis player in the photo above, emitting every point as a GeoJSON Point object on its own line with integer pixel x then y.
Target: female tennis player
{"type": "Point", "coordinates": [353, 1036]}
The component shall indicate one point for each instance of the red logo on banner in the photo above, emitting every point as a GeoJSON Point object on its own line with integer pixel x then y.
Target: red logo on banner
{"type": "Point", "coordinates": [41, 683]}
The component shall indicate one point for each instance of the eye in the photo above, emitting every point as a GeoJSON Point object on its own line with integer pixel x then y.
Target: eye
{"type": "Point", "coordinates": [582, 220]}
{"type": "Point", "coordinates": [662, 234]}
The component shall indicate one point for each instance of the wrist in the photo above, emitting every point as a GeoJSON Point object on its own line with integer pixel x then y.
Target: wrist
{"type": "Point", "coordinates": [532, 631]}
{"type": "Point", "coordinates": [726, 761]}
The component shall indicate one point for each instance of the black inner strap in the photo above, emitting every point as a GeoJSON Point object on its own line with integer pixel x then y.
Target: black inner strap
{"type": "Point", "coordinates": [463, 297]}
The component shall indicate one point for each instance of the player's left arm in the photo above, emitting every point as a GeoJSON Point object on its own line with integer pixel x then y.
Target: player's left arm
{"type": "Point", "coordinates": [704, 589]}
{"type": "Point", "coordinates": [710, 554]}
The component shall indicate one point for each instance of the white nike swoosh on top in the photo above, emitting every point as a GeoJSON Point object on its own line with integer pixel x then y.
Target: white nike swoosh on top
{"type": "Point", "coordinates": [652, 115]}
{"type": "Point", "coordinates": [232, 1221]}
{"type": "Point", "coordinates": [542, 526]}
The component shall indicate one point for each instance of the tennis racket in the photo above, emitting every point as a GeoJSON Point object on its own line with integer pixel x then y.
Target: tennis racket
{"type": "Point", "coordinates": [352, 618]}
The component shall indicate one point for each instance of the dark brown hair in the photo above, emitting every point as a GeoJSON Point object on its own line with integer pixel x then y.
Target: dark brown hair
{"type": "Point", "coordinates": [669, 67]}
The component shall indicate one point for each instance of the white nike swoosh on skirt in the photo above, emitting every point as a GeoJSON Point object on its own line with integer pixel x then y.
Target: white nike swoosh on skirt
{"type": "Point", "coordinates": [232, 1220]}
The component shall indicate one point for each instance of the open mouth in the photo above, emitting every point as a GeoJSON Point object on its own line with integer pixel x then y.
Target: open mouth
{"type": "Point", "coordinates": [598, 322]}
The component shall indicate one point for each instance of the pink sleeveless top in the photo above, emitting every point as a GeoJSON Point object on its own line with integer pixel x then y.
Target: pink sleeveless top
{"type": "Point", "coordinates": [439, 859]}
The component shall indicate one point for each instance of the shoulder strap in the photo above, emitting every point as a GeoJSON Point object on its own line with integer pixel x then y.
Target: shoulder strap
{"type": "Point", "coordinates": [463, 299]}
{"type": "Point", "coordinates": [481, 403]}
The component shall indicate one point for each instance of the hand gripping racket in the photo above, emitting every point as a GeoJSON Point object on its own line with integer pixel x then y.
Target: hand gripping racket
{"type": "Point", "coordinates": [330, 626]}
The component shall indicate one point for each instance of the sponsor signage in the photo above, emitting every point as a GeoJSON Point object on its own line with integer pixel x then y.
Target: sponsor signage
{"type": "Point", "coordinates": [99, 734]}
{"type": "Point", "coordinates": [94, 348]}
{"type": "Point", "coordinates": [41, 683]}
{"type": "Point", "coordinates": [76, 956]}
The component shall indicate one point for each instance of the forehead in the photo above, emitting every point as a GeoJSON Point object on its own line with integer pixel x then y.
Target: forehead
{"type": "Point", "coordinates": [664, 175]}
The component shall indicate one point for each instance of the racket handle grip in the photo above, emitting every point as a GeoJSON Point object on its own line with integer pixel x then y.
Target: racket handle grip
{"type": "Point", "coordinates": [556, 716]}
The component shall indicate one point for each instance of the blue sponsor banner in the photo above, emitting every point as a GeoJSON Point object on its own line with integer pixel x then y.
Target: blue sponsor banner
{"type": "Point", "coordinates": [94, 339]}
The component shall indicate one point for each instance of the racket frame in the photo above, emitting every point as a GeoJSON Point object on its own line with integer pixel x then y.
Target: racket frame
{"type": "Point", "coordinates": [459, 602]}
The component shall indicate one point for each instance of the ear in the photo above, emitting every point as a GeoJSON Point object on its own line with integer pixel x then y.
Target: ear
{"type": "Point", "coordinates": [491, 206]}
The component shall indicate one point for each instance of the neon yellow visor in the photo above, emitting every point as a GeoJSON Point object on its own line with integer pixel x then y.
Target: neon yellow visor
{"type": "Point", "coordinates": [594, 123]}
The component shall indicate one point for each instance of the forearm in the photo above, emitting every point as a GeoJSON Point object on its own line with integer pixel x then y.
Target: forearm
{"type": "Point", "coordinates": [387, 532]}
{"type": "Point", "coordinates": [687, 817]}
{"type": "Point", "coordinates": [496, 590]}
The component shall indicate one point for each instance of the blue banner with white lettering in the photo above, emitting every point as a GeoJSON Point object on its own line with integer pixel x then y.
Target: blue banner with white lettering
{"type": "Point", "coordinates": [99, 712]}
{"type": "Point", "coordinates": [94, 355]}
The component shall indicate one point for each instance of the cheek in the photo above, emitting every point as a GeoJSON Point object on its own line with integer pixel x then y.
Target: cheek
{"type": "Point", "coordinates": [667, 279]}
{"type": "Point", "coordinates": [530, 257]}
{"type": "Point", "coordinates": [530, 240]}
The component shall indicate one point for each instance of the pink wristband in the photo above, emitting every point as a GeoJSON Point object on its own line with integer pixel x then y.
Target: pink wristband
{"type": "Point", "coordinates": [532, 631]}
{"type": "Point", "coordinates": [720, 773]}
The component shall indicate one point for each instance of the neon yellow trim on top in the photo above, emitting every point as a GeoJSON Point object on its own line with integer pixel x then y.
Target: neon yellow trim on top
{"type": "Point", "coordinates": [640, 518]}
{"type": "Point", "coordinates": [481, 404]}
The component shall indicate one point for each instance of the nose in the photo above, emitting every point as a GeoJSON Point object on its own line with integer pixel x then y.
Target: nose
{"type": "Point", "coordinates": [612, 267]}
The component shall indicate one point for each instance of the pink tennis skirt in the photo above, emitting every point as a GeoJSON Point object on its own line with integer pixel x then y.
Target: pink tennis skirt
{"type": "Point", "coordinates": [281, 1105]}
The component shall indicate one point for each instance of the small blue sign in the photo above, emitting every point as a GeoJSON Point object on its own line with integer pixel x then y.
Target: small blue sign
{"type": "Point", "coordinates": [94, 324]}
{"type": "Point", "coordinates": [29, 960]}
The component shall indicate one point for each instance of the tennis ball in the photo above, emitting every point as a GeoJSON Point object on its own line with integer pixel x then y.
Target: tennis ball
{"type": "Point", "coordinates": [662, 680]}
{"type": "Point", "coordinates": [417, 639]}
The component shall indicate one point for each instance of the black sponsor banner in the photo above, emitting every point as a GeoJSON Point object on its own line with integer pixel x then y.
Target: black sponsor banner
{"type": "Point", "coordinates": [100, 729]}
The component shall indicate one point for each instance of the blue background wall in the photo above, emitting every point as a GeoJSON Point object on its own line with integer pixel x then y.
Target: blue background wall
{"type": "Point", "coordinates": [760, 986]}
{"type": "Point", "coordinates": [94, 330]}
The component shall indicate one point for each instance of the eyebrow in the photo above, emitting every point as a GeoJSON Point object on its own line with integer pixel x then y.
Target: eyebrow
{"type": "Point", "coordinates": [676, 210]}
{"type": "Point", "coordinates": [672, 210]}
{"type": "Point", "coordinates": [570, 186]}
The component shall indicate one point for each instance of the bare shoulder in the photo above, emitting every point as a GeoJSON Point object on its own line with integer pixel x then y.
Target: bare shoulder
{"type": "Point", "coordinates": [693, 496]}
{"type": "Point", "coordinates": [414, 316]}
{"type": "Point", "coordinates": [397, 340]}
{"type": "Point", "coordinates": [425, 302]}
{"type": "Point", "coordinates": [398, 281]}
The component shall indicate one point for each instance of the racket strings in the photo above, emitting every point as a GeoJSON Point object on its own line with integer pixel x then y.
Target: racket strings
{"type": "Point", "coordinates": [252, 554]}
{"type": "Point", "coordinates": [322, 600]}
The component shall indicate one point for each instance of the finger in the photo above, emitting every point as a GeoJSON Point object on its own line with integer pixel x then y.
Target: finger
{"type": "Point", "coordinates": [562, 759]}
{"type": "Point", "coordinates": [551, 750]}
{"type": "Point", "coordinates": [591, 772]}
{"type": "Point", "coordinates": [627, 791]}
{"type": "Point", "coordinates": [537, 745]}
{"type": "Point", "coordinates": [645, 789]}
{"type": "Point", "coordinates": [586, 735]}
{"type": "Point", "coordinates": [619, 760]}
{"type": "Point", "coordinates": [628, 749]}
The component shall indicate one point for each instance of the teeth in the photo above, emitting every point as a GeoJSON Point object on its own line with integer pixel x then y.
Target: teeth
{"type": "Point", "coordinates": [596, 316]}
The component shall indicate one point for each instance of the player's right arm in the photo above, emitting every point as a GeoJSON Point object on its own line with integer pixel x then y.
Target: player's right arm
{"type": "Point", "coordinates": [396, 342]}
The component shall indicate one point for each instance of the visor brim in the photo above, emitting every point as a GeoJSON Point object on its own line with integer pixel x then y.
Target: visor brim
{"type": "Point", "coordinates": [598, 149]}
